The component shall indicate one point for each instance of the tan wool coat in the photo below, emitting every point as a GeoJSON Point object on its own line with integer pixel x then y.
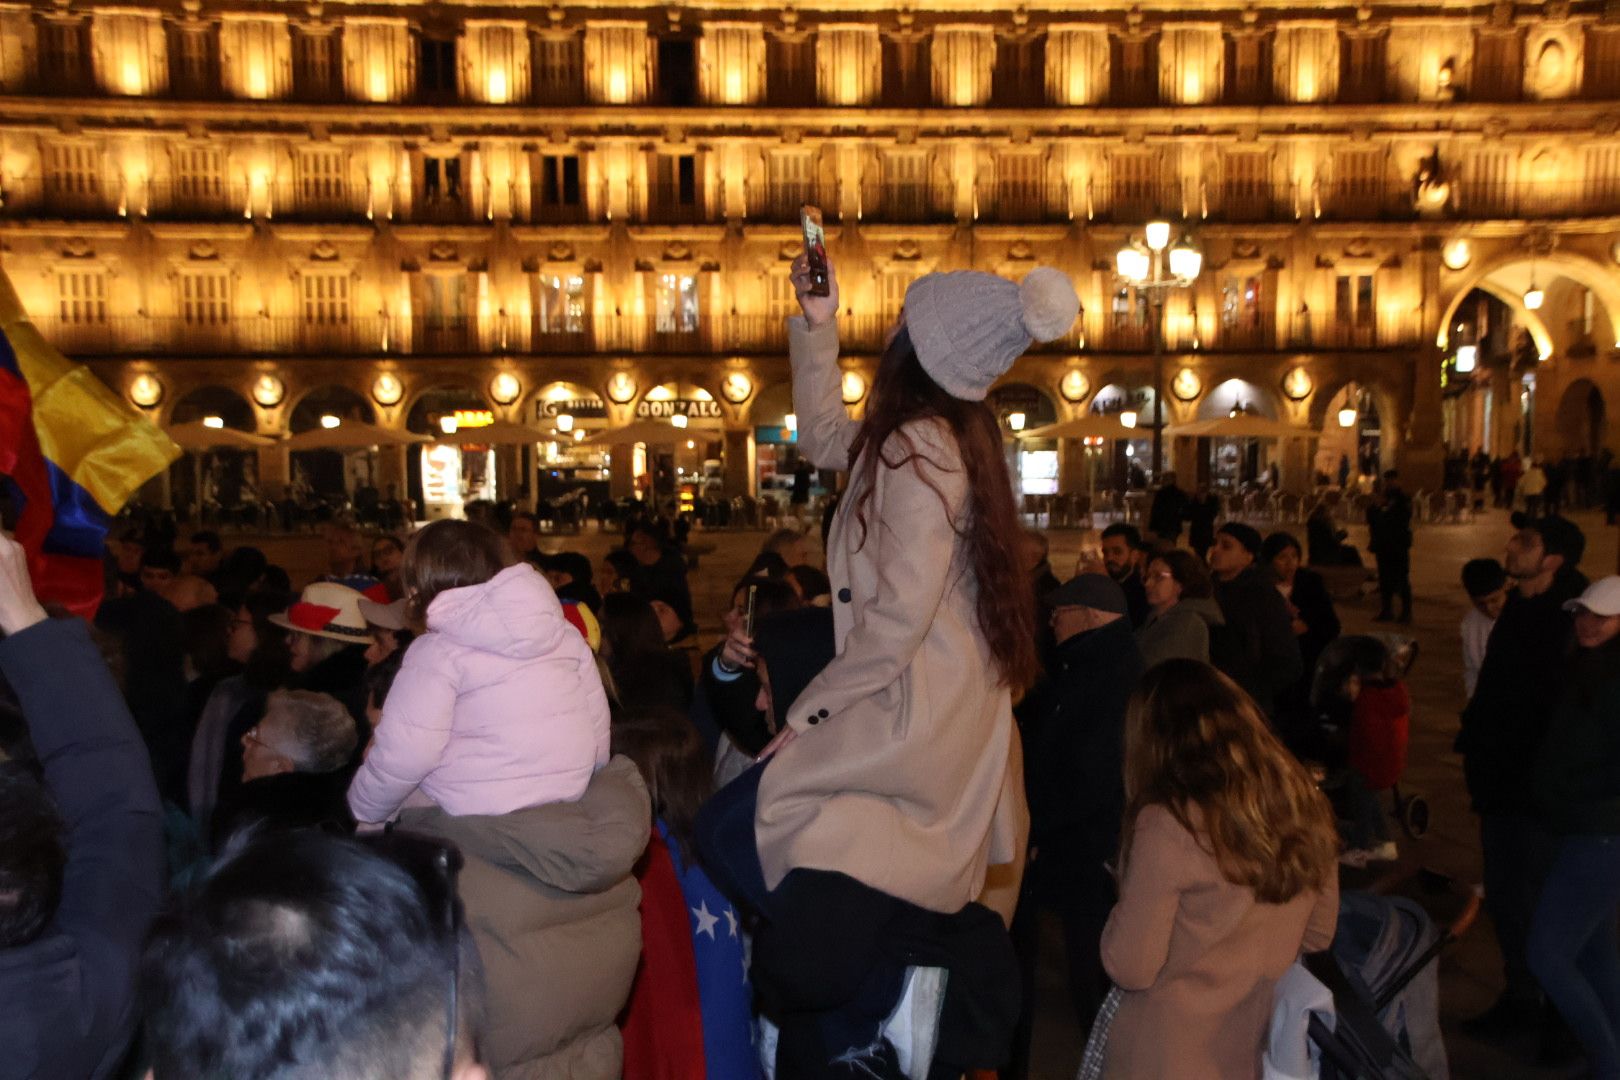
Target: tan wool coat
{"type": "Point", "coordinates": [1198, 958]}
{"type": "Point", "coordinates": [905, 774]}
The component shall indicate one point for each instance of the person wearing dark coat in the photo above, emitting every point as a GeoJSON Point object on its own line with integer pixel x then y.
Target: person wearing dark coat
{"type": "Point", "coordinates": [1169, 510]}
{"type": "Point", "coordinates": [294, 768]}
{"type": "Point", "coordinates": [151, 638]}
{"type": "Point", "coordinates": [658, 573]}
{"type": "Point", "coordinates": [92, 872]}
{"type": "Point", "coordinates": [727, 688]}
{"type": "Point", "coordinates": [1202, 511]}
{"type": "Point", "coordinates": [1502, 730]}
{"type": "Point", "coordinates": [1326, 540]}
{"type": "Point", "coordinates": [1313, 620]}
{"type": "Point", "coordinates": [1073, 726]}
{"type": "Point", "coordinates": [1256, 648]}
{"type": "Point", "coordinates": [1122, 558]}
{"type": "Point", "coordinates": [1389, 536]}
{"type": "Point", "coordinates": [1573, 948]}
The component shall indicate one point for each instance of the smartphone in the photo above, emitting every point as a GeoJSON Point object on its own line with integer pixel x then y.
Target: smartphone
{"type": "Point", "coordinates": [748, 616]}
{"type": "Point", "coordinates": [815, 249]}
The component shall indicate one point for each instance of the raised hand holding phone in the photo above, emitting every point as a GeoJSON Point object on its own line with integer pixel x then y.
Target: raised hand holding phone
{"type": "Point", "coordinates": [818, 310]}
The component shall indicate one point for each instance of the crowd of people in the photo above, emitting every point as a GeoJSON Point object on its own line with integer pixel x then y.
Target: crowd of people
{"type": "Point", "coordinates": [463, 808]}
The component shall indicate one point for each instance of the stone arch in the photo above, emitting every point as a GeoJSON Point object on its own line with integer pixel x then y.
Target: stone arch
{"type": "Point", "coordinates": [1385, 397]}
{"type": "Point", "coordinates": [1220, 398]}
{"type": "Point", "coordinates": [1587, 272]}
{"type": "Point", "coordinates": [305, 411]}
{"type": "Point", "coordinates": [1040, 408]}
{"type": "Point", "coordinates": [770, 404]}
{"type": "Point", "coordinates": [441, 395]}
{"type": "Point", "coordinates": [1582, 417]}
{"type": "Point", "coordinates": [214, 400]}
{"type": "Point", "coordinates": [417, 389]}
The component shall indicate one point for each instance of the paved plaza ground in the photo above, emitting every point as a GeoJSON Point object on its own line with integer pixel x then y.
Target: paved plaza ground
{"type": "Point", "coordinates": [1470, 972]}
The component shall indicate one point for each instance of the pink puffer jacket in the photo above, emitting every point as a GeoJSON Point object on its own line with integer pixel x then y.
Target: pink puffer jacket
{"type": "Point", "coordinates": [498, 707]}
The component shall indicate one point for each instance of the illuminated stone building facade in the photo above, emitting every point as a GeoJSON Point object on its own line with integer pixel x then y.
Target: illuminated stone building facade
{"type": "Point", "coordinates": [597, 204]}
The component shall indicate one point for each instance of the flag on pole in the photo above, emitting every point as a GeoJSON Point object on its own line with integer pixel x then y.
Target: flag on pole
{"type": "Point", "coordinates": [71, 454]}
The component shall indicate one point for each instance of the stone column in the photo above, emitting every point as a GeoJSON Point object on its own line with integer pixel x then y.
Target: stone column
{"type": "Point", "coordinates": [740, 468]}
{"type": "Point", "coordinates": [622, 482]}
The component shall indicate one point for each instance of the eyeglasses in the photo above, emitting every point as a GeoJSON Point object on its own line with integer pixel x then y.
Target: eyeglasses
{"type": "Point", "coordinates": [435, 867]}
{"type": "Point", "coordinates": [1160, 575]}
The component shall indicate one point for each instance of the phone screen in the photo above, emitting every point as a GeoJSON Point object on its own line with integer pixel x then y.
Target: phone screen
{"type": "Point", "coordinates": [815, 249]}
{"type": "Point", "coordinates": [748, 618]}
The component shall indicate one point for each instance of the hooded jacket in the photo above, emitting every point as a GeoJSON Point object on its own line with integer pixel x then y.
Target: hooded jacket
{"type": "Point", "coordinates": [1256, 648]}
{"type": "Point", "coordinates": [1183, 632]}
{"type": "Point", "coordinates": [496, 708]}
{"type": "Point", "coordinates": [552, 904]}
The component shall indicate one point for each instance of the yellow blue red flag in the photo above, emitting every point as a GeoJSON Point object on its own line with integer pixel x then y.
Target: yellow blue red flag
{"type": "Point", "coordinates": [71, 453]}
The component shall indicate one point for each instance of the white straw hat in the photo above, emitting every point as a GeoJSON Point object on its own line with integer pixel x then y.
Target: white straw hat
{"type": "Point", "coordinates": [327, 609]}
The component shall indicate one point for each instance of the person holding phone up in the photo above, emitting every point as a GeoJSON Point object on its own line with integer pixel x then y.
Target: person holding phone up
{"type": "Point", "coordinates": [897, 767]}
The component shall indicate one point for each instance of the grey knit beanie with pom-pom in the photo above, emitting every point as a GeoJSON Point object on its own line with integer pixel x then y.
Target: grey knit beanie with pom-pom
{"type": "Point", "coordinates": [968, 326]}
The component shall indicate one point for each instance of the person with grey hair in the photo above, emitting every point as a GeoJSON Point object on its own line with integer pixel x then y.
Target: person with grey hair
{"type": "Point", "coordinates": [294, 767]}
{"type": "Point", "coordinates": [791, 544]}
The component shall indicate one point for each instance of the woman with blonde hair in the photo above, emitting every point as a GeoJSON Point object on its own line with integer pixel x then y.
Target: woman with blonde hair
{"type": "Point", "coordinates": [1228, 873]}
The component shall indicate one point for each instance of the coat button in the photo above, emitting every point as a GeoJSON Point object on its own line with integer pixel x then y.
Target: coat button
{"type": "Point", "coordinates": [822, 713]}
{"type": "Point", "coordinates": [812, 719]}
{"type": "Point", "coordinates": [843, 595]}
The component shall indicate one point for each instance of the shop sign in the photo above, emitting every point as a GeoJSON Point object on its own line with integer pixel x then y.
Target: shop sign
{"type": "Point", "coordinates": [775, 435]}
{"type": "Point", "coordinates": [590, 408]}
{"type": "Point", "coordinates": [692, 408]}
{"type": "Point", "coordinates": [473, 418]}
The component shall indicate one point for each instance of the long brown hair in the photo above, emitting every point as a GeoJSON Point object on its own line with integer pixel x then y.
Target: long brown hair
{"type": "Point", "coordinates": [1194, 739]}
{"type": "Point", "coordinates": [449, 555]}
{"type": "Point", "coordinates": [669, 754]}
{"type": "Point", "coordinates": [902, 392]}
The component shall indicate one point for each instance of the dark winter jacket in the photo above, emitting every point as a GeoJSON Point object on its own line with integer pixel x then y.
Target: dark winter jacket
{"type": "Point", "coordinates": [69, 995]}
{"type": "Point", "coordinates": [286, 801]}
{"type": "Point", "coordinates": [1504, 723]}
{"type": "Point", "coordinates": [1256, 648]}
{"type": "Point", "coordinates": [1577, 775]}
{"type": "Point", "coordinates": [150, 636]}
{"type": "Point", "coordinates": [665, 580]}
{"type": "Point", "coordinates": [1310, 598]}
{"type": "Point", "coordinates": [1074, 753]}
{"type": "Point", "coordinates": [1169, 510]}
{"type": "Point", "coordinates": [1182, 632]}
{"type": "Point", "coordinates": [1389, 527]}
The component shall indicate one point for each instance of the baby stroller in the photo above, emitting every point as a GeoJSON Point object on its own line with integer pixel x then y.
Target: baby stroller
{"type": "Point", "coordinates": [1385, 986]}
{"type": "Point", "coordinates": [1358, 740]}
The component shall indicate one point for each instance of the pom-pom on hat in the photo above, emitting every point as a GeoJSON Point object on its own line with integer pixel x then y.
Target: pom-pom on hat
{"type": "Point", "coordinates": [968, 326]}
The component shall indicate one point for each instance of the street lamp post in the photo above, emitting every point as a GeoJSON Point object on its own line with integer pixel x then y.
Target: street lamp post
{"type": "Point", "coordinates": [1143, 265]}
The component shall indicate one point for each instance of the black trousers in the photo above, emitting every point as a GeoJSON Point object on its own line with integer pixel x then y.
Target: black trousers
{"type": "Point", "coordinates": [1395, 580]}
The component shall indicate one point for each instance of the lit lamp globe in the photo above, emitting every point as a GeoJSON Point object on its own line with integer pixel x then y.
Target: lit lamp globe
{"type": "Point", "coordinates": [1347, 416]}
{"type": "Point", "coordinates": [448, 425]}
{"type": "Point", "coordinates": [565, 422]}
{"type": "Point", "coordinates": [1128, 418]}
{"type": "Point", "coordinates": [268, 391]}
{"type": "Point", "coordinates": [1467, 358]}
{"type": "Point", "coordinates": [214, 423]}
{"type": "Point", "coordinates": [504, 388]}
{"type": "Point", "coordinates": [387, 390]}
{"type": "Point", "coordinates": [1534, 298]}
{"type": "Point", "coordinates": [329, 422]}
{"type": "Point", "coordinates": [1133, 263]}
{"type": "Point", "coordinates": [145, 390]}
{"type": "Point", "coordinates": [1158, 235]}
{"type": "Point", "coordinates": [1016, 421]}
{"type": "Point", "coordinates": [1186, 261]}
{"type": "Point", "coordinates": [679, 420]}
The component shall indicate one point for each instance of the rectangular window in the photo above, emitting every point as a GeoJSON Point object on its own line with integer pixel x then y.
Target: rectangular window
{"type": "Point", "coordinates": [1019, 77]}
{"type": "Point", "coordinates": [677, 304]}
{"type": "Point", "coordinates": [1601, 192]}
{"type": "Point", "coordinates": [789, 182]}
{"type": "Point", "coordinates": [892, 286]}
{"type": "Point", "coordinates": [326, 299]}
{"type": "Point", "coordinates": [205, 298]}
{"type": "Point", "coordinates": [677, 72]}
{"type": "Point", "coordinates": [441, 179]}
{"type": "Point", "coordinates": [559, 71]}
{"type": "Point", "coordinates": [780, 300]}
{"type": "Point", "coordinates": [1136, 184]}
{"type": "Point", "coordinates": [1489, 188]}
{"type": "Point", "coordinates": [559, 180]}
{"type": "Point", "coordinates": [195, 64]}
{"type": "Point", "coordinates": [199, 174]}
{"type": "Point", "coordinates": [315, 65]}
{"type": "Point", "coordinates": [906, 73]}
{"type": "Point", "coordinates": [1248, 69]}
{"type": "Point", "coordinates": [1136, 70]}
{"type": "Point", "coordinates": [1240, 303]}
{"type": "Point", "coordinates": [1246, 185]}
{"type": "Point", "coordinates": [790, 70]}
{"type": "Point", "coordinates": [435, 68]}
{"type": "Point", "coordinates": [1353, 302]}
{"type": "Point", "coordinates": [72, 171]}
{"type": "Point", "coordinates": [1498, 66]}
{"type": "Point", "coordinates": [81, 297]}
{"type": "Point", "coordinates": [1359, 183]}
{"type": "Point", "coordinates": [559, 305]}
{"type": "Point", "coordinates": [1601, 78]}
{"type": "Point", "coordinates": [674, 195]}
{"type": "Point", "coordinates": [1361, 68]}
{"type": "Point", "coordinates": [1018, 184]}
{"type": "Point", "coordinates": [64, 54]}
{"type": "Point", "coordinates": [444, 299]}
{"type": "Point", "coordinates": [320, 178]}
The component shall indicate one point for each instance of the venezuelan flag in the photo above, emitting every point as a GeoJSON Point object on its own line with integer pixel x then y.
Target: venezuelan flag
{"type": "Point", "coordinates": [72, 453]}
